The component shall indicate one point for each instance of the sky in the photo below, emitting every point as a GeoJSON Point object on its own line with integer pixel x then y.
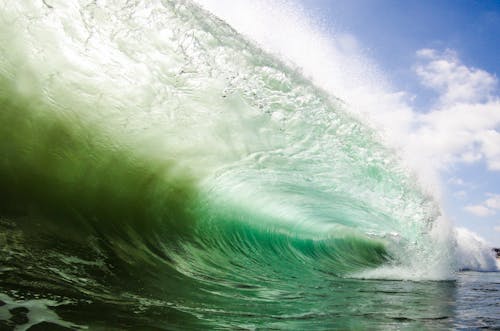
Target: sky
{"type": "Point", "coordinates": [424, 73]}
{"type": "Point", "coordinates": [446, 56]}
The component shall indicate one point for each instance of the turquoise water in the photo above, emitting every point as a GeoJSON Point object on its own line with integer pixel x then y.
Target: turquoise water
{"type": "Point", "coordinates": [159, 171]}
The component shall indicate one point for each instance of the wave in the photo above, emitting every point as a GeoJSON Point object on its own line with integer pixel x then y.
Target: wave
{"type": "Point", "coordinates": [150, 147]}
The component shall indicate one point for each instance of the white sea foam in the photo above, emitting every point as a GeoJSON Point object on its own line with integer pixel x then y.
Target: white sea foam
{"type": "Point", "coordinates": [37, 311]}
{"type": "Point", "coordinates": [473, 252]}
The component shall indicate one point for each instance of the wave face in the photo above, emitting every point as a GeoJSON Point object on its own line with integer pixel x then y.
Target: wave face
{"type": "Point", "coordinates": [154, 161]}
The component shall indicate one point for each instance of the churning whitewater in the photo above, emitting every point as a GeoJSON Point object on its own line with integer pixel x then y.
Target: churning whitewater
{"type": "Point", "coordinates": [155, 162]}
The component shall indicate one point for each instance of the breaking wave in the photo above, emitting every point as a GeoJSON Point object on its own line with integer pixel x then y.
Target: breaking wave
{"type": "Point", "coordinates": [151, 154]}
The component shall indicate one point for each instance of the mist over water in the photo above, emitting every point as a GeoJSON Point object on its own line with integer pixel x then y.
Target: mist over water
{"type": "Point", "coordinates": [160, 171]}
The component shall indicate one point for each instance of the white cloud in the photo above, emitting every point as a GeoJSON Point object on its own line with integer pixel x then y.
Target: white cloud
{"type": "Point", "coordinates": [496, 228]}
{"type": "Point", "coordinates": [427, 53]}
{"type": "Point", "coordinates": [493, 201]}
{"type": "Point", "coordinates": [471, 156]}
{"type": "Point", "coordinates": [490, 147]}
{"type": "Point", "coordinates": [462, 126]}
{"type": "Point", "coordinates": [479, 210]}
{"type": "Point", "coordinates": [463, 133]}
{"type": "Point", "coordinates": [455, 82]}
{"type": "Point", "coordinates": [488, 207]}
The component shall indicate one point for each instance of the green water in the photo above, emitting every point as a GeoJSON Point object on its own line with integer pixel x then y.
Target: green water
{"type": "Point", "coordinates": [159, 171]}
{"type": "Point", "coordinates": [247, 291]}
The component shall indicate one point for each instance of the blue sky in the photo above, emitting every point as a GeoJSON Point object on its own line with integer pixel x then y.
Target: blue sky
{"type": "Point", "coordinates": [391, 33]}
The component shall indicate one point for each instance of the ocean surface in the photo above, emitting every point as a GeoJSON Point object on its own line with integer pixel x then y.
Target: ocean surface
{"type": "Point", "coordinates": [159, 171]}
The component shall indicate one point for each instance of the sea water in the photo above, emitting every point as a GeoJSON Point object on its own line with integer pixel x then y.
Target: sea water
{"type": "Point", "coordinates": [160, 171]}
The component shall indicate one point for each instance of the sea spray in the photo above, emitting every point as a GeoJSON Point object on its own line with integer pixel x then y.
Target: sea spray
{"type": "Point", "coordinates": [473, 252]}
